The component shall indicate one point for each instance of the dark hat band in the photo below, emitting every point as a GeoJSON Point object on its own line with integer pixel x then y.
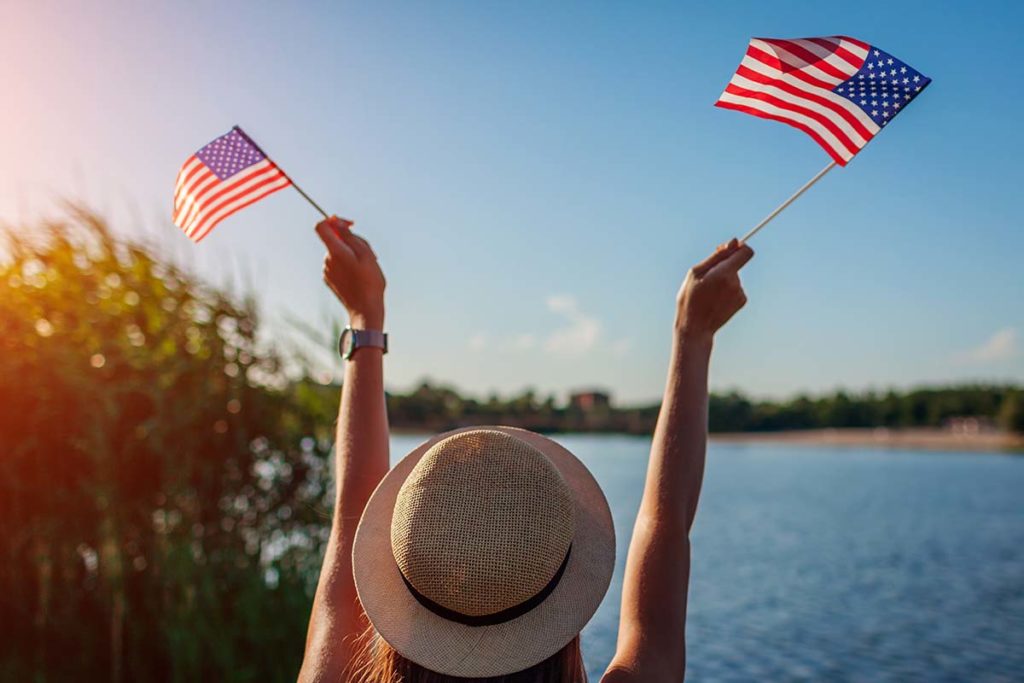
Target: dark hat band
{"type": "Point", "coordinates": [497, 617]}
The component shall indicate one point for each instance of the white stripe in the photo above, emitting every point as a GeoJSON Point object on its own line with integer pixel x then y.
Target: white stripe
{"type": "Point", "coordinates": [189, 165]}
{"type": "Point", "coordinates": [790, 58]}
{"type": "Point", "coordinates": [858, 113]}
{"type": "Point", "coordinates": [189, 189]}
{"type": "Point", "coordinates": [828, 56]}
{"type": "Point", "coordinates": [207, 210]}
{"type": "Point", "coordinates": [225, 211]}
{"type": "Point", "coordinates": [212, 185]}
{"type": "Point", "coordinates": [761, 105]}
{"type": "Point", "coordinates": [189, 194]}
{"type": "Point", "coordinates": [192, 197]}
{"type": "Point", "coordinates": [821, 110]}
{"type": "Point", "coordinates": [858, 51]}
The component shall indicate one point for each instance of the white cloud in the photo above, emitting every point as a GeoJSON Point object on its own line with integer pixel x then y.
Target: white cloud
{"type": "Point", "coordinates": [1000, 346]}
{"type": "Point", "coordinates": [579, 334]}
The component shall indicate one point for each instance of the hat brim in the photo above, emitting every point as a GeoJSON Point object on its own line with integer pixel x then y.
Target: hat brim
{"type": "Point", "coordinates": [454, 649]}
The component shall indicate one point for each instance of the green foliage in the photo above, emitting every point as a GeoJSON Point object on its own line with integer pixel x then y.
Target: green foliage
{"type": "Point", "coordinates": [931, 407]}
{"type": "Point", "coordinates": [161, 485]}
{"type": "Point", "coordinates": [431, 407]}
{"type": "Point", "coordinates": [1011, 414]}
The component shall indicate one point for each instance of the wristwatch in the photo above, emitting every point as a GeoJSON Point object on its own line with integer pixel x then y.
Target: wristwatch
{"type": "Point", "coordinates": [352, 339]}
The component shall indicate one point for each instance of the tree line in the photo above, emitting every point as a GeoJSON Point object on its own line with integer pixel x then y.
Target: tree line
{"type": "Point", "coordinates": [434, 407]}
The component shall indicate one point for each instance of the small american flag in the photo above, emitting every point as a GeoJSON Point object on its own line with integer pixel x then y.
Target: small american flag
{"type": "Point", "coordinates": [839, 90]}
{"type": "Point", "coordinates": [223, 177]}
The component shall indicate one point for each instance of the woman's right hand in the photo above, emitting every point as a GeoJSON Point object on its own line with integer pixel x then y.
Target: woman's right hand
{"type": "Point", "coordinates": [712, 292]}
{"type": "Point", "coordinates": [353, 274]}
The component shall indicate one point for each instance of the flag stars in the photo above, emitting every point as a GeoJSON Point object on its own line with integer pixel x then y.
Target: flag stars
{"type": "Point", "coordinates": [882, 86]}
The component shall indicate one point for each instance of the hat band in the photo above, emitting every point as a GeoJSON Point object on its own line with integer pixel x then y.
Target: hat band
{"type": "Point", "coordinates": [497, 617]}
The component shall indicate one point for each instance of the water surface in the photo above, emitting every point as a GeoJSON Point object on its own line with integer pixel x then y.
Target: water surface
{"type": "Point", "coordinates": [838, 564]}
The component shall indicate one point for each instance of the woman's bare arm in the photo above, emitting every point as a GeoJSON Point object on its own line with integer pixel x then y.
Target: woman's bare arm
{"type": "Point", "coordinates": [361, 449]}
{"type": "Point", "coordinates": [652, 625]}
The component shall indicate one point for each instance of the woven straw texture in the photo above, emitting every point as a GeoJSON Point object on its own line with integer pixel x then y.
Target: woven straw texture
{"type": "Point", "coordinates": [456, 649]}
{"type": "Point", "coordinates": [482, 523]}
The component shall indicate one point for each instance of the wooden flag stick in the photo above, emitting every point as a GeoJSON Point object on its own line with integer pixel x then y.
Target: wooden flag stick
{"type": "Point", "coordinates": [783, 205]}
{"type": "Point", "coordinates": [294, 184]}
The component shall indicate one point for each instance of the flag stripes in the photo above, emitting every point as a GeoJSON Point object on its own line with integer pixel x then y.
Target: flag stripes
{"type": "Point", "coordinates": [222, 178]}
{"type": "Point", "coordinates": [811, 84]}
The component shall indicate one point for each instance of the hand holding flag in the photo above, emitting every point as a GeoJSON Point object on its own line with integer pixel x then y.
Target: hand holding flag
{"type": "Point", "coordinates": [353, 274]}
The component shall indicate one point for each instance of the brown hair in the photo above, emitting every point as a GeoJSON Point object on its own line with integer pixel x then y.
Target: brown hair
{"type": "Point", "coordinates": [377, 662]}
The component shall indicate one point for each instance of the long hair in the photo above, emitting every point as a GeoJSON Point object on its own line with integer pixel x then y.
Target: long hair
{"type": "Point", "coordinates": [378, 662]}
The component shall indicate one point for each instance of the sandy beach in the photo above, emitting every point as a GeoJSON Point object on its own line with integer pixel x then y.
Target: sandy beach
{"type": "Point", "coordinates": [928, 439]}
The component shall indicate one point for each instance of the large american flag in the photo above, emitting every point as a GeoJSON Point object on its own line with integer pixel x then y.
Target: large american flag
{"type": "Point", "coordinates": [839, 90]}
{"type": "Point", "coordinates": [223, 177]}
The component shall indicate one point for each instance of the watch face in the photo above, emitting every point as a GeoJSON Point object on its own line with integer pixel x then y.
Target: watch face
{"type": "Point", "coordinates": [347, 343]}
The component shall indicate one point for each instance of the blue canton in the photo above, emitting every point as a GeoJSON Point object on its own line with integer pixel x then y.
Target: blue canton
{"type": "Point", "coordinates": [229, 154]}
{"type": "Point", "coordinates": [883, 86]}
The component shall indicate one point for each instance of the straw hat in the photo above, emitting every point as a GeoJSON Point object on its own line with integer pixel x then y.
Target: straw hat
{"type": "Point", "coordinates": [484, 552]}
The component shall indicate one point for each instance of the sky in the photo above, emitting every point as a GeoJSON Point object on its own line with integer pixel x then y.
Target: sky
{"type": "Point", "coordinates": [537, 177]}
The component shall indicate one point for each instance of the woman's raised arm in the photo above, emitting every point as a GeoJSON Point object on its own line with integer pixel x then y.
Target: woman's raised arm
{"type": "Point", "coordinates": [361, 449]}
{"type": "Point", "coordinates": [652, 625]}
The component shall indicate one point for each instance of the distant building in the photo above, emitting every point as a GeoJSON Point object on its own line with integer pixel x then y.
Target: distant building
{"type": "Point", "coordinates": [590, 402]}
{"type": "Point", "coordinates": [970, 425]}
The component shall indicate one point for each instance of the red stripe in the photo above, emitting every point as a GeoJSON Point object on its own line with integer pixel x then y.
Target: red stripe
{"type": "Point", "coordinates": [839, 51]}
{"type": "Point", "coordinates": [752, 75]}
{"type": "Point", "coordinates": [184, 166]}
{"type": "Point", "coordinates": [205, 215]}
{"type": "Point", "coordinates": [236, 210]}
{"type": "Point", "coordinates": [766, 58]}
{"type": "Point", "coordinates": [199, 168]}
{"type": "Point", "coordinates": [796, 124]}
{"type": "Point", "coordinates": [181, 211]}
{"type": "Point", "coordinates": [783, 104]}
{"type": "Point", "coordinates": [207, 200]}
{"type": "Point", "coordinates": [811, 58]}
{"type": "Point", "coordinates": [773, 61]}
{"type": "Point", "coordinates": [859, 43]}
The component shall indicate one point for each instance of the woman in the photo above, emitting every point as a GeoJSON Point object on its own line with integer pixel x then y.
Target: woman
{"type": "Point", "coordinates": [485, 551]}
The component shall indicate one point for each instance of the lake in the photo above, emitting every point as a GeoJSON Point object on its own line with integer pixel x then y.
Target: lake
{"type": "Point", "coordinates": [838, 564]}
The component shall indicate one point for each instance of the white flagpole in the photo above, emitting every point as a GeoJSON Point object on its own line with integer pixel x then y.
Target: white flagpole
{"type": "Point", "coordinates": [789, 201]}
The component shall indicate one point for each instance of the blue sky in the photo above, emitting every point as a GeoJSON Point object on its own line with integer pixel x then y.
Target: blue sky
{"type": "Point", "coordinates": [536, 178]}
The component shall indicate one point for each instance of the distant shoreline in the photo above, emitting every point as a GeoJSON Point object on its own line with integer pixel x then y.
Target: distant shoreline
{"type": "Point", "coordinates": [918, 439]}
{"type": "Point", "coordinates": [870, 437]}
